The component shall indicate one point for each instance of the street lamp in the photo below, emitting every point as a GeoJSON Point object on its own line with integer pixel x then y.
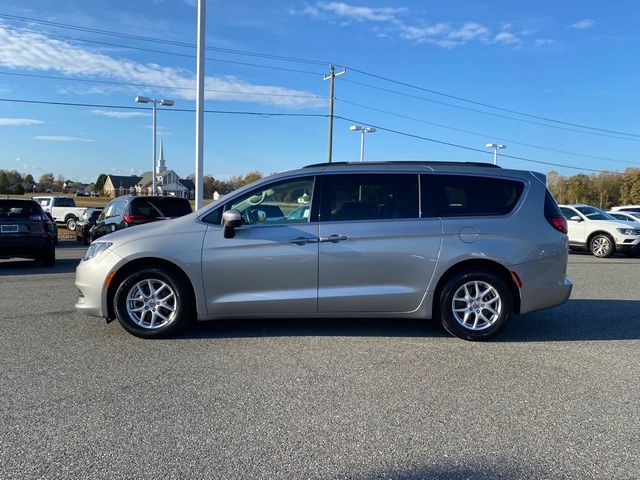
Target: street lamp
{"type": "Point", "coordinates": [155, 101]}
{"type": "Point", "coordinates": [362, 130]}
{"type": "Point", "coordinates": [496, 147]}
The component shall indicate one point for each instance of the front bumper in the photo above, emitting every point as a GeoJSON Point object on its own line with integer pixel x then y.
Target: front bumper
{"type": "Point", "coordinates": [90, 281]}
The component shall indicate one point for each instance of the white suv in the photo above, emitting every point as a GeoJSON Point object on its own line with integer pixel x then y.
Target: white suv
{"type": "Point", "coordinates": [599, 232]}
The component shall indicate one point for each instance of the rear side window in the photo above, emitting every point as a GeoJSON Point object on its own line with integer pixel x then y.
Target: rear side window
{"type": "Point", "coordinates": [161, 207]}
{"type": "Point", "coordinates": [468, 195]}
{"type": "Point", "coordinates": [551, 208]}
{"type": "Point", "coordinates": [349, 197]}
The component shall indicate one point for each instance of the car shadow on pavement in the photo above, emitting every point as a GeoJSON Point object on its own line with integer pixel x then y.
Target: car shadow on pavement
{"type": "Point", "coordinates": [577, 320]}
{"type": "Point", "coordinates": [31, 267]}
{"type": "Point", "coordinates": [314, 327]}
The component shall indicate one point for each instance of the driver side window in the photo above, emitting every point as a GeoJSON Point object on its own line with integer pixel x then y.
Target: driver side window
{"type": "Point", "coordinates": [284, 202]}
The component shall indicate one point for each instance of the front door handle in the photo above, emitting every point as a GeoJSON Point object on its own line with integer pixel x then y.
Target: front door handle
{"type": "Point", "coordinates": [333, 238]}
{"type": "Point", "coordinates": [303, 240]}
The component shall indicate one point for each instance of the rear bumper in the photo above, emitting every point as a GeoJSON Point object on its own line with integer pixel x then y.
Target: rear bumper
{"type": "Point", "coordinates": [538, 298]}
{"type": "Point", "coordinates": [27, 246]}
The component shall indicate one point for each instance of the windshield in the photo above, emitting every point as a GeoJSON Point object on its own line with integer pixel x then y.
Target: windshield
{"type": "Point", "coordinates": [593, 213]}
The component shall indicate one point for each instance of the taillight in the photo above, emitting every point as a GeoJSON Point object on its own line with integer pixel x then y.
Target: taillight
{"type": "Point", "coordinates": [559, 223]}
{"type": "Point", "coordinates": [137, 219]}
{"type": "Point", "coordinates": [39, 218]}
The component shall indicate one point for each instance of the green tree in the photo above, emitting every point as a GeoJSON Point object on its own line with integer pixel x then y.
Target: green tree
{"type": "Point", "coordinates": [17, 189]}
{"type": "Point", "coordinates": [4, 182]}
{"type": "Point", "coordinates": [46, 181]}
{"type": "Point", "coordinates": [99, 186]}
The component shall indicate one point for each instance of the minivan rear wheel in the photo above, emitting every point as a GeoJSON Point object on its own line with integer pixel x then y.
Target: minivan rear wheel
{"type": "Point", "coordinates": [153, 303]}
{"type": "Point", "coordinates": [602, 246]}
{"type": "Point", "coordinates": [475, 305]}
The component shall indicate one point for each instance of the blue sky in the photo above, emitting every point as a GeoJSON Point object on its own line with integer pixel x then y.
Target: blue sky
{"type": "Point", "coordinates": [570, 61]}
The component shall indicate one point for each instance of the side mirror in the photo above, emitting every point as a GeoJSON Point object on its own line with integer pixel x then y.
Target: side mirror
{"type": "Point", "coordinates": [231, 219]}
{"type": "Point", "coordinates": [576, 218]}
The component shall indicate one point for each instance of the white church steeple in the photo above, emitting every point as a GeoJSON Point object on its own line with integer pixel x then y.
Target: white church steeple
{"type": "Point", "coordinates": [162, 167]}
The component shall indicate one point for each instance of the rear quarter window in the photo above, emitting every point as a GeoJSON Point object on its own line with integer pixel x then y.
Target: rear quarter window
{"type": "Point", "coordinates": [469, 195]}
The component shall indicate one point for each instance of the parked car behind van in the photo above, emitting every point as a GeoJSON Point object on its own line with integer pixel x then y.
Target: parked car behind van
{"type": "Point", "coordinates": [26, 231]}
{"type": "Point", "coordinates": [86, 223]}
{"type": "Point", "coordinates": [130, 210]}
{"type": "Point", "coordinates": [467, 244]}
{"type": "Point", "coordinates": [595, 230]}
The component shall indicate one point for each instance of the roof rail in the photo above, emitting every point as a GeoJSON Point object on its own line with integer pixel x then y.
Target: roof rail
{"type": "Point", "coordinates": [405, 162]}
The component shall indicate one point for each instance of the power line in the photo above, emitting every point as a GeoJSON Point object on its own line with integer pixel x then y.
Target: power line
{"type": "Point", "coordinates": [110, 82]}
{"type": "Point", "coordinates": [484, 135]}
{"type": "Point", "coordinates": [472, 149]}
{"type": "Point", "coordinates": [317, 62]}
{"type": "Point", "coordinates": [160, 40]}
{"type": "Point", "coordinates": [165, 52]}
{"type": "Point", "coordinates": [469, 109]}
{"type": "Point", "coordinates": [188, 110]}
{"type": "Point", "coordinates": [487, 105]}
{"type": "Point", "coordinates": [306, 115]}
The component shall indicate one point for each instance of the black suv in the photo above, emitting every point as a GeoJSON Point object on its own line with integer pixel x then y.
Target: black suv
{"type": "Point", "coordinates": [130, 210]}
{"type": "Point", "coordinates": [26, 231]}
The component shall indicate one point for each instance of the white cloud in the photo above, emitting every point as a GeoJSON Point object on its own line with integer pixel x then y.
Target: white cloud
{"type": "Point", "coordinates": [394, 22]}
{"type": "Point", "coordinates": [359, 14]}
{"type": "Point", "coordinates": [507, 38]}
{"type": "Point", "coordinates": [61, 138]}
{"type": "Point", "coordinates": [16, 122]}
{"type": "Point", "coordinates": [126, 171]}
{"type": "Point", "coordinates": [469, 31]}
{"type": "Point", "coordinates": [36, 51]}
{"type": "Point", "coordinates": [582, 24]}
{"type": "Point", "coordinates": [119, 114]}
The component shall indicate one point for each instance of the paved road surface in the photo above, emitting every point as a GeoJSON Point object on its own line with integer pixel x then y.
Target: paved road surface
{"type": "Point", "coordinates": [556, 396]}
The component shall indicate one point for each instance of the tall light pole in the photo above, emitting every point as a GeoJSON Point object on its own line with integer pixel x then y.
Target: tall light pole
{"type": "Point", "coordinates": [496, 147]}
{"type": "Point", "coordinates": [362, 130]}
{"type": "Point", "coordinates": [200, 48]}
{"type": "Point", "coordinates": [155, 102]}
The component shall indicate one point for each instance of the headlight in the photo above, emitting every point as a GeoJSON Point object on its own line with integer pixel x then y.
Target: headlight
{"type": "Point", "coordinates": [626, 231]}
{"type": "Point", "coordinates": [95, 249]}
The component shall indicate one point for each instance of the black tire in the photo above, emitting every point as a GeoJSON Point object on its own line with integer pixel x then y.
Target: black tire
{"type": "Point", "coordinates": [71, 222]}
{"type": "Point", "coordinates": [480, 302]}
{"type": "Point", "coordinates": [602, 245]}
{"type": "Point", "coordinates": [135, 285]}
{"type": "Point", "coordinates": [47, 257]}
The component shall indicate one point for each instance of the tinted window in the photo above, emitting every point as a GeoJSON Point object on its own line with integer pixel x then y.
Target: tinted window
{"type": "Point", "coordinates": [273, 203]}
{"type": "Point", "coordinates": [369, 197]}
{"type": "Point", "coordinates": [467, 195]}
{"type": "Point", "coordinates": [593, 213]}
{"type": "Point", "coordinates": [214, 217]}
{"type": "Point", "coordinates": [568, 213]}
{"type": "Point", "coordinates": [160, 207]}
{"type": "Point", "coordinates": [9, 209]}
{"type": "Point", "coordinates": [550, 206]}
{"type": "Point", "coordinates": [118, 209]}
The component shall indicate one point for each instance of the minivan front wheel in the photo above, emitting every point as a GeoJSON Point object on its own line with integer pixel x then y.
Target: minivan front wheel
{"type": "Point", "coordinates": [475, 305]}
{"type": "Point", "coordinates": [602, 246]}
{"type": "Point", "coordinates": [152, 303]}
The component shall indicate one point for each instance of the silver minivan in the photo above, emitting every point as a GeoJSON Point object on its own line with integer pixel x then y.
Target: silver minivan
{"type": "Point", "coordinates": [467, 243]}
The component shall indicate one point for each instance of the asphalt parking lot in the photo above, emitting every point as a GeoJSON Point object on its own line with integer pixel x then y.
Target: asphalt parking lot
{"type": "Point", "coordinates": [557, 395]}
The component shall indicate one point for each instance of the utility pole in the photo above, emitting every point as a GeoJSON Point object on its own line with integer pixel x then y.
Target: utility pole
{"type": "Point", "coordinates": [331, 77]}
